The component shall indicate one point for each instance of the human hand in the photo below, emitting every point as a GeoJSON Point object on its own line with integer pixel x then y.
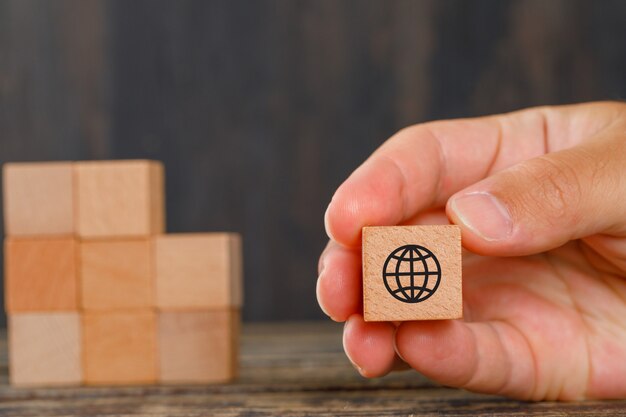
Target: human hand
{"type": "Point", "coordinates": [540, 196]}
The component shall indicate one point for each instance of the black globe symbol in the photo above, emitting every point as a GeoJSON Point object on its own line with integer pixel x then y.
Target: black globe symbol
{"type": "Point", "coordinates": [411, 273]}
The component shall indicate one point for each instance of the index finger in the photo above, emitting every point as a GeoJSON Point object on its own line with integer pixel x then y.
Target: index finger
{"type": "Point", "coordinates": [420, 167]}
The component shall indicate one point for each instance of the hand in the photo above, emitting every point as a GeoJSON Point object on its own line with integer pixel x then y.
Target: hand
{"type": "Point", "coordinates": [540, 196]}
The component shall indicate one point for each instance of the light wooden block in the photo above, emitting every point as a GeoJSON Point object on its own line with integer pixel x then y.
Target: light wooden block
{"type": "Point", "coordinates": [198, 271]}
{"type": "Point", "coordinates": [117, 274]}
{"type": "Point", "coordinates": [119, 347]}
{"type": "Point", "coordinates": [38, 199]}
{"type": "Point", "coordinates": [44, 349]}
{"type": "Point", "coordinates": [412, 273]}
{"type": "Point", "coordinates": [198, 346]}
{"type": "Point", "coordinates": [120, 198]}
{"type": "Point", "coordinates": [41, 275]}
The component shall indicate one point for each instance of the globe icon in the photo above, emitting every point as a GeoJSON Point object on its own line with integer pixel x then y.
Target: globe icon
{"type": "Point", "coordinates": [411, 273]}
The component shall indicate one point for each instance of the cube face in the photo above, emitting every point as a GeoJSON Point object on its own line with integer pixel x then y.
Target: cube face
{"type": "Point", "coordinates": [41, 275]}
{"type": "Point", "coordinates": [44, 349]}
{"type": "Point", "coordinates": [117, 274]}
{"type": "Point", "coordinates": [412, 273]}
{"type": "Point", "coordinates": [119, 199]}
{"type": "Point", "coordinates": [198, 271]}
{"type": "Point", "coordinates": [38, 199]}
{"type": "Point", "coordinates": [198, 346]}
{"type": "Point", "coordinates": [119, 347]}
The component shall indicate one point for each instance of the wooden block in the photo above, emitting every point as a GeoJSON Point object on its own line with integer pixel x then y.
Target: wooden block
{"type": "Point", "coordinates": [117, 274]}
{"type": "Point", "coordinates": [198, 271]}
{"type": "Point", "coordinates": [198, 346]}
{"type": "Point", "coordinates": [119, 198]}
{"type": "Point", "coordinates": [44, 349]}
{"type": "Point", "coordinates": [38, 199]}
{"type": "Point", "coordinates": [412, 273]}
{"type": "Point", "coordinates": [119, 347]}
{"type": "Point", "coordinates": [41, 275]}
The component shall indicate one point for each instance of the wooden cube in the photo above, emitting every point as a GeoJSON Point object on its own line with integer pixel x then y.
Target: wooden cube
{"type": "Point", "coordinates": [119, 347]}
{"type": "Point", "coordinates": [41, 275]}
{"type": "Point", "coordinates": [198, 346]}
{"type": "Point", "coordinates": [117, 274]}
{"type": "Point", "coordinates": [119, 198]}
{"type": "Point", "coordinates": [44, 349]}
{"type": "Point", "coordinates": [38, 199]}
{"type": "Point", "coordinates": [412, 273]}
{"type": "Point", "coordinates": [198, 271]}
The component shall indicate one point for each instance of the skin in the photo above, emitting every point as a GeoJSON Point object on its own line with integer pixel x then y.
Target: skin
{"type": "Point", "coordinates": [540, 196]}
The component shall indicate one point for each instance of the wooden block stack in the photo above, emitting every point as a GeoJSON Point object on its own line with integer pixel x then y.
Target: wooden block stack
{"type": "Point", "coordinates": [97, 294]}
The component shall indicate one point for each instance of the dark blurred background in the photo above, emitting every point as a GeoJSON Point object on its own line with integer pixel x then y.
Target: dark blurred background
{"type": "Point", "coordinates": [259, 109]}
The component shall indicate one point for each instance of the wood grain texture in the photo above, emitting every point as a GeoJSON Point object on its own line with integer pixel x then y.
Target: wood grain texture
{"type": "Point", "coordinates": [287, 369]}
{"type": "Point", "coordinates": [41, 274]}
{"type": "Point", "coordinates": [200, 270]}
{"type": "Point", "coordinates": [198, 346]}
{"type": "Point", "coordinates": [38, 199]}
{"type": "Point", "coordinates": [119, 347]}
{"type": "Point", "coordinates": [45, 349]}
{"type": "Point", "coordinates": [260, 111]}
{"type": "Point", "coordinates": [119, 199]}
{"type": "Point", "coordinates": [442, 294]}
{"type": "Point", "coordinates": [117, 274]}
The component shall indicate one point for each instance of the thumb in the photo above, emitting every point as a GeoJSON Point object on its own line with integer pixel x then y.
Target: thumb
{"type": "Point", "coordinates": [544, 202]}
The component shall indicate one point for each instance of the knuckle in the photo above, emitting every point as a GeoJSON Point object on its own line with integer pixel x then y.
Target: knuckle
{"type": "Point", "coordinates": [556, 189]}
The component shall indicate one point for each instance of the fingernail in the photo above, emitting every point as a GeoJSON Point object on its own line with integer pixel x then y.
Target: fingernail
{"type": "Point", "coordinates": [345, 331]}
{"type": "Point", "coordinates": [395, 344]}
{"type": "Point", "coordinates": [483, 214]}
{"type": "Point", "coordinates": [319, 299]}
{"type": "Point", "coordinates": [326, 224]}
{"type": "Point", "coordinates": [321, 264]}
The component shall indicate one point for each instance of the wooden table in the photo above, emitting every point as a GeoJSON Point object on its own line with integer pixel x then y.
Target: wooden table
{"type": "Point", "coordinates": [287, 370]}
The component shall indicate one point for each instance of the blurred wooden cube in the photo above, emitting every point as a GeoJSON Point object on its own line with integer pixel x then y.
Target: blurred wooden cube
{"type": "Point", "coordinates": [412, 273]}
{"type": "Point", "coordinates": [117, 274]}
{"type": "Point", "coordinates": [41, 274]}
{"type": "Point", "coordinates": [198, 346]}
{"type": "Point", "coordinates": [119, 198]}
{"type": "Point", "coordinates": [44, 349]}
{"type": "Point", "coordinates": [38, 199]}
{"type": "Point", "coordinates": [119, 347]}
{"type": "Point", "coordinates": [88, 269]}
{"type": "Point", "coordinates": [198, 271]}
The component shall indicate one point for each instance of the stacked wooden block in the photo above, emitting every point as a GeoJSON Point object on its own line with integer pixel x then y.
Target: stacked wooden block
{"type": "Point", "coordinates": [97, 294]}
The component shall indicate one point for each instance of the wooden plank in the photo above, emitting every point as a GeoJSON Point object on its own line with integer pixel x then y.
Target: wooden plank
{"type": "Point", "coordinates": [200, 270]}
{"type": "Point", "coordinates": [120, 199]}
{"type": "Point", "coordinates": [116, 274]}
{"type": "Point", "coordinates": [44, 349]}
{"type": "Point", "coordinates": [198, 346]}
{"type": "Point", "coordinates": [119, 347]}
{"type": "Point", "coordinates": [41, 274]}
{"type": "Point", "coordinates": [83, 80]}
{"type": "Point", "coordinates": [290, 369]}
{"type": "Point", "coordinates": [412, 273]}
{"type": "Point", "coordinates": [38, 199]}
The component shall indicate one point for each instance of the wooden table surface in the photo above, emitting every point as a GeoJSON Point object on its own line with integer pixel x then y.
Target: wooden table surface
{"type": "Point", "coordinates": [288, 369]}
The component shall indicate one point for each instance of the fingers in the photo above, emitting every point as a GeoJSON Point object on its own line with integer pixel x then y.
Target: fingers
{"type": "Point", "coordinates": [409, 173]}
{"type": "Point", "coordinates": [339, 282]}
{"type": "Point", "coordinates": [477, 356]}
{"type": "Point", "coordinates": [370, 346]}
{"type": "Point", "coordinates": [545, 202]}
{"type": "Point", "coordinates": [422, 166]}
